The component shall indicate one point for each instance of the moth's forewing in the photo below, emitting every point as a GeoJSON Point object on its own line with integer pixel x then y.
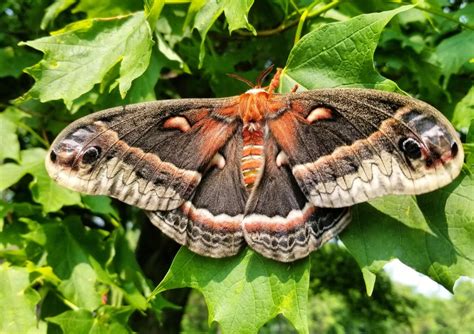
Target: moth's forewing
{"type": "Point", "coordinates": [351, 145]}
{"type": "Point", "coordinates": [129, 152]}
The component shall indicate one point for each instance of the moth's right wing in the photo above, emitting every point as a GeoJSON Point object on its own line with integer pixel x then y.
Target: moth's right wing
{"type": "Point", "coordinates": [347, 146]}
{"type": "Point", "coordinates": [280, 222]}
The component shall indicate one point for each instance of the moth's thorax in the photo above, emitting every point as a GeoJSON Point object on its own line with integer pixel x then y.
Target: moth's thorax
{"type": "Point", "coordinates": [252, 153]}
{"type": "Point", "coordinates": [253, 105]}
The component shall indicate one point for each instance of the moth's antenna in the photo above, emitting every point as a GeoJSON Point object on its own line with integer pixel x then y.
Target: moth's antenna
{"type": "Point", "coordinates": [263, 75]}
{"type": "Point", "coordinates": [238, 77]}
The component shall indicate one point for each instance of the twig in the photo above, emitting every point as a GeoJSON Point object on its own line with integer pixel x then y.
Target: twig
{"type": "Point", "coordinates": [289, 24]}
{"type": "Point", "coordinates": [441, 14]}
{"type": "Point", "coordinates": [33, 133]}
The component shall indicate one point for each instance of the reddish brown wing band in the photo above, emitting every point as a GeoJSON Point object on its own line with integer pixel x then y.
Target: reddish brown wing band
{"type": "Point", "coordinates": [276, 172]}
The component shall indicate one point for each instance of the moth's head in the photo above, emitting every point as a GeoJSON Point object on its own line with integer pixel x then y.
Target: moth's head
{"type": "Point", "coordinates": [430, 143]}
{"type": "Point", "coordinates": [74, 155]}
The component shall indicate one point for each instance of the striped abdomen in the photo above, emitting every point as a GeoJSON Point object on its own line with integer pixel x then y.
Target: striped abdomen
{"type": "Point", "coordinates": [252, 154]}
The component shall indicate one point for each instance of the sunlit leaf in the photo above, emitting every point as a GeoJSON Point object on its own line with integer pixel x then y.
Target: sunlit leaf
{"type": "Point", "coordinates": [339, 55]}
{"type": "Point", "coordinates": [245, 291]}
{"type": "Point", "coordinates": [71, 252]}
{"type": "Point", "coordinates": [153, 10]}
{"type": "Point", "coordinates": [30, 161]}
{"type": "Point", "coordinates": [107, 320]}
{"type": "Point", "coordinates": [451, 61]}
{"type": "Point", "coordinates": [56, 8]}
{"type": "Point", "coordinates": [10, 146]}
{"type": "Point", "coordinates": [19, 300]}
{"type": "Point", "coordinates": [464, 111]}
{"type": "Point", "coordinates": [79, 56]}
{"type": "Point", "coordinates": [45, 191]}
{"type": "Point", "coordinates": [108, 8]}
{"type": "Point", "coordinates": [236, 13]}
{"type": "Point", "coordinates": [431, 233]}
{"type": "Point", "coordinates": [14, 59]}
{"type": "Point", "coordinates": [48, 193]}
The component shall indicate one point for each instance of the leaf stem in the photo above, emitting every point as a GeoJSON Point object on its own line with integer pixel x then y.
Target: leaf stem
{"type": "Point", "coordinates": [441, 14]}
{"type": "Point", "coordinates": [295, 6]}
{"type": "Point", "coordinates": [299, 29]}
{"type": "Point", "coordinates": [323, 9]}
{"type": "Point", "coordinates": [33, 133]}
{"type": "Point", "coordinates": [468, 147]}
{"type": "Point", "coordinates": [68, 303]}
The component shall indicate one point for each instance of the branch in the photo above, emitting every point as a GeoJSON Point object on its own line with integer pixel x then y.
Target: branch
{"type": "Point", "coordinates": [289, 24]}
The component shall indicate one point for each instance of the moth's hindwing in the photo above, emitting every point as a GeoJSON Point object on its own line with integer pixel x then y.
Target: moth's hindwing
{"type": "Point", "coordinates": [279, 221]}
{"type": "Point", "coordinates": [209, 223]}
{"type": "Point", "coordinates": [347, 146]}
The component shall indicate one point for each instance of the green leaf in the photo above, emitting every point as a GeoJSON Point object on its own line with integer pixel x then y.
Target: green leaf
{"type": "Point", "coordinates": [108, 319]}
{"type": "Point", "coordinates": [451, 62]}
{"type": "Point", "coordinates": [100, 204]}
{"type": "Point", "coordinates": [107, 8]}
{"type": "Point", "coordinates": [45, 191]}
{"type": "Point", "coordinates": [339, 55]}
{"type": "Point", "coordinates": [369, 280]}
{"type": "Point", "coordinates": [19, 300]}
{"type": "Point", "coordinates": [73, 252]}
{"type": "Point", "coordinates": [203, 21]}
{"type": "Point", "coordinates": [245, 291]}
{"type": "Point", "coordinates": [143, 88]}
{"type": "Point", "coordinates": [48, 193]}
{"type": "Point", "coordinates": [30, 161]}
{"type": "Point", "coordinates": [432, 233]}
{"type": "Point", "coordinates": [464, 111]}
{"type": "Point", "coordinates": [13, 60]}
{"type": "Point", "coordinates": [10, 120]}
{"type": "Point", "coordinates": [54, 10]}
{"type": "Point", "coordinates": [193, 9]}
{"type": "Point", "coordinates": [169, 53]}
{"type": "Point", "coordinates": [131, 280]}
{"type": "Point", "coordinates": [79, 56]}
{"type": "Point", "coordinates": [9, 144]}
{"type": "Point", "coordinates": [153, 10]}
{"type": "Point", "coordinates": [236, 12]}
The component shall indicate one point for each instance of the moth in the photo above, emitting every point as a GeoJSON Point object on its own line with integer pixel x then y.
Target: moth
{"type": "Point", "coordinates": [276, 172]}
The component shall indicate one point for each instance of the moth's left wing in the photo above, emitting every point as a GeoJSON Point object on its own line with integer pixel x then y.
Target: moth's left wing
{"type": "Point", "coordinates": [152, 155]}
{"type": "Point", "coordinates": [347, 146]}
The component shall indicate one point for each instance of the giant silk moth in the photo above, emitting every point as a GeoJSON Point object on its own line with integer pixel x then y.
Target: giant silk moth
{"type": "Point", "coordinates": [276, 172]}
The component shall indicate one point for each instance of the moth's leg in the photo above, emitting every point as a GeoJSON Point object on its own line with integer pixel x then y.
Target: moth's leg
{"type": "Point", "coordinates": [275, 81]}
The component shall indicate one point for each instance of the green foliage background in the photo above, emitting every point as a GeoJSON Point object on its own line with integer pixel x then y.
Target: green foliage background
{"type": "Point", "coordinates": [79, 264]}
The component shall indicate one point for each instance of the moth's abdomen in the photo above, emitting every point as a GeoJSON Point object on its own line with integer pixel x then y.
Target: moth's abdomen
{"type": "Point", "coordinates": [252, 154]}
